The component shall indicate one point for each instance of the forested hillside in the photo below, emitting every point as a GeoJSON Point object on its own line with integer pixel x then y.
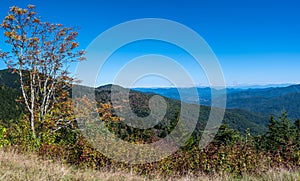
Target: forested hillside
{"type": "Point", "coordinates": [9, 79]}
{"type": "Point", "coordinates": [10, 109]}
{"type": "Point", "coordinates": [235, 118]}
{"type": "Point", "coordinates": [264, 101]}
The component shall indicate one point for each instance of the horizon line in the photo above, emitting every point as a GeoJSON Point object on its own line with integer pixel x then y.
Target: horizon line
{"type": "Point", "coordinates": [241, 86]}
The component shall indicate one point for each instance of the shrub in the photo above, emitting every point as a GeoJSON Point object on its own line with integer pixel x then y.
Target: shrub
{"type": "Point", "coordinates": [3, 136]}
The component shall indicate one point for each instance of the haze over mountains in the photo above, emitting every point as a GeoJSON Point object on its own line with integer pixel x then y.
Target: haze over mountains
{"type": "Point", "coordinates": [266, 101]}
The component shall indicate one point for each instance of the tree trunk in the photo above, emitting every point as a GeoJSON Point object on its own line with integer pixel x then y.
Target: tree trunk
{"type": "Point", "coordinates": [32, 124]}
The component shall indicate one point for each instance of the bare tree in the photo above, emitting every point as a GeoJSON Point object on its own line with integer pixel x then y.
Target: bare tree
{"type": "Point", "coordinates": [41, 53]}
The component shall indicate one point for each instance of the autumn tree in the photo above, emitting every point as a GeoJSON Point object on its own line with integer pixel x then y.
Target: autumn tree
{"type": "Point", "coordinates": [40, 53]}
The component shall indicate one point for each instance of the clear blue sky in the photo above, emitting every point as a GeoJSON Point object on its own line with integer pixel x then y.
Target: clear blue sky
{"type": "Point", "coordinates": [256, 41]}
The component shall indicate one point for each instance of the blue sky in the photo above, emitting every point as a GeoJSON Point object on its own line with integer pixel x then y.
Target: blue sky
{"type": "Point", "coordinates": [256, 42]}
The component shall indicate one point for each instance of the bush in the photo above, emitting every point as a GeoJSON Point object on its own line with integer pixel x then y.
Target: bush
{"type": "Point", "coordinates": [3, 136]}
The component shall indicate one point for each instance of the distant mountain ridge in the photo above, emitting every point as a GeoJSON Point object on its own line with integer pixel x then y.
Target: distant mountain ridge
{"type": "Point", "coordinates": [265, 101]}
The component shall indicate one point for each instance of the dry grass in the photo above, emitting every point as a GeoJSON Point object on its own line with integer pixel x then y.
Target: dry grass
{"type": "Point", "coordinates": [279, 175]}
{"type": "Point", "coordinates": [14, 166]}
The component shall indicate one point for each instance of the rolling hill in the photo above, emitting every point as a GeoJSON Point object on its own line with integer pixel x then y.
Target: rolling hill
{"type": "Point", "coordinates": [235, 118]}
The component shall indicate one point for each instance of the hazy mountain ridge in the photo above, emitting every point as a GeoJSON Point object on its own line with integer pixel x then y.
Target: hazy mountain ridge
{"type": "Point", "coordinates": [266, 101]}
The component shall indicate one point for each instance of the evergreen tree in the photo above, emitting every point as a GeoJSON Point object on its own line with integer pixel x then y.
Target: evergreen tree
{"type": "Point", "coordinates": [281, 133]}
{"type": "Point", "coordinates": [226, 136]}
{"type": "Point", "coordinates": [297, 134]}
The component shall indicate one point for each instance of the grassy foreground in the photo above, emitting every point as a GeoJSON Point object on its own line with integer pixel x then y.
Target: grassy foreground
{"type": "Point", "coordinates": [14, 166]}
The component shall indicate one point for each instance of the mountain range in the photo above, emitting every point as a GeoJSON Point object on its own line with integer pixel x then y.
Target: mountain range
{"type": "Point", "coordinates": [246, 108]}
{"type": "Point", "coordinates": [265, 101]}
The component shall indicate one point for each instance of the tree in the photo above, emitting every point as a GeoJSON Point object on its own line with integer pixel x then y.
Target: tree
{"type": "Point", "coordinates": [281, 133]}
{"type": "Point", "coordinates": [226, 136]}
{"type": "Point", "coordinates": [297, 132]}
{"type": "Point", "coordinates": [41, 53]}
